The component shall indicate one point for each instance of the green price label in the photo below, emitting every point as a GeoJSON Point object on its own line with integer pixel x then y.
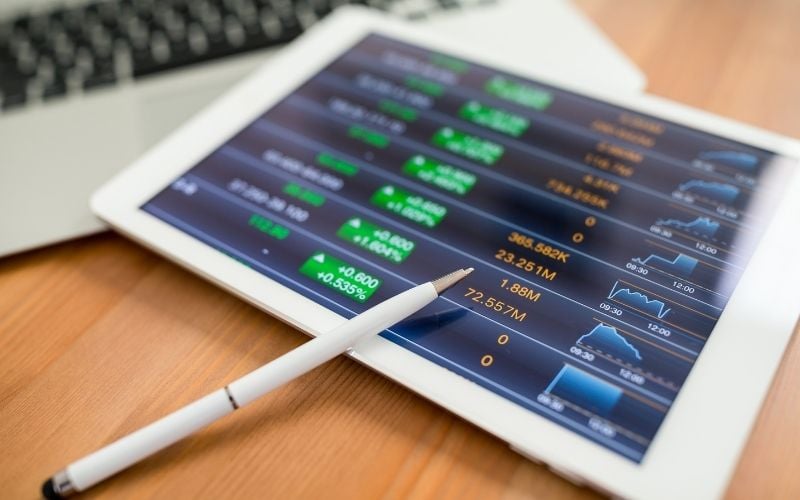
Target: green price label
{"type": "Point", "coordinates": [307, 195]}
{"type": "Point", "coordinates": [376, 240]}
{"type": "Point", "coordinates": [469, 146]}
{"type": "Point", "coordinates": [451, 63]}
{"type": "Point", "coordinates": [340, 276]}
{"type": "Point", "coordinates": [268, 227]}
{"type": "Point", "coordinates": [413, 207]}
{"type": "Point", "coordinates": [395, 109]}
{"type": "Point", "coordinates": [433, 89]}
{"type": "Point", "coordinates": [496, 119]}
{"type": "Point", "coordinates": [333, 163]}
{"type": "Point", "coordinates": [520, 93]}
{"type": "Point", "coordinates": [441, 175]}
{"type": "Point", "coordinates": [368, 136]}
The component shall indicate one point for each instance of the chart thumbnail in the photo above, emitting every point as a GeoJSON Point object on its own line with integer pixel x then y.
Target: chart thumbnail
{"type": "Point", "coordinates": [718, 191]}
{"type": "Point", "coordinates": [681, 265]}
{"type": "Point", "coordinates": [734, 159]}
{"type": "Point", "coordinates": [638, 301]}
{"type": "Point", "coordinates": [607, 339]}
{"type": "Point", "coordinates": [584, 390]}
{"type": "Point", "coordinates": [702, 226]}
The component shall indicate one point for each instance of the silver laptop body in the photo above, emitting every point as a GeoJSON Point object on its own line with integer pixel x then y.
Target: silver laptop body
{"type": "Point", "coordinates": [59, 144]}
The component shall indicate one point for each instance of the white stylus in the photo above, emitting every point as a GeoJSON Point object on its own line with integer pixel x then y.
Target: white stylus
{"type": "Point", "coordinates": [121, 454]}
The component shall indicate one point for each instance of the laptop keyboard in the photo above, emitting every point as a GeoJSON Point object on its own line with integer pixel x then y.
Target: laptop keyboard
{"type": "Point", "coordinates": [50, 54]}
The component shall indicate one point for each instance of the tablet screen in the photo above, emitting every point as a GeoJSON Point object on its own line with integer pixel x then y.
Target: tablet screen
{"type": "Point", "coordinates": [605, 242]}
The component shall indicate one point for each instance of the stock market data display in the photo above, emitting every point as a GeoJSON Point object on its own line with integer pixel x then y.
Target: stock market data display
{"type": "Point", "coordinates": [606, 242]}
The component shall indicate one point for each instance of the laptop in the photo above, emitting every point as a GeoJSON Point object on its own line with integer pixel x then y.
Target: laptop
{"type": "Point", "coordinates": [86, 87]}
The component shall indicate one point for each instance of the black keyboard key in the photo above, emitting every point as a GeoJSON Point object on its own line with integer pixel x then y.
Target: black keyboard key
{"type": "Point", "coordinates": [218, 46]}
{"type": "Point", "coordinates": [197, 40]}
{"type": "Point", "coordinates": [246, 11]}
{"type": "Point", "coordinates": [321, 7]}
{"type": "Point", "coordinates": [271, 24]}
{"type": "Point", "coordinates": [26, 63]}
{"type": "Point", "coordinates": [160, 49]}
{"type": "Point", "coordinates": [254, 36]}
{"type": "Point", "coordinates": [234, 32]}
{"type": "Point", "coordinates": [14, 92]}
{"type": "Point", "coordinates": [63, 51]}
{"type": "Point", "coordinates": [72, 20]}
{"type": "Point", "coordinates": [144, 64]}
{"type": "Point", "coordinates": [147, 63]}
{"type": "Point", "coordinates": [101, 42]}
{"type": "Point", "coordinates": [22, 23]}
{"type": "Point", "coordinates": [102, 73]}
{"type": "Point", "coordinates": [181, 7]}
{"type": "Point", "coordinates": [6, 29]}
{"type": "Point", "coordinates": [38, 28]}
{"type": "Point", "coordinates": [144, 11]}
{"type": "Point", "coordinates": [379, 4]}
{"type": "Point", "coordinates": [56, 88]}
{"type": "Point", "coordinates": [291, 25]}
{"type": "Point", "coordinates": [109, 14]}
{"type": "Point", "coordinates": [98, 80]}
{"type": "Point", "coordinates": [182, 53]}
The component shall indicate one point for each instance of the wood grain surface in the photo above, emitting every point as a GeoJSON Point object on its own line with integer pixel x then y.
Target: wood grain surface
{"type": "Point", "coordinates": [99, 336]}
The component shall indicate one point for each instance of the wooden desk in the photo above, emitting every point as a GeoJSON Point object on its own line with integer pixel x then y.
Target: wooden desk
{"type": "Point", "coordinates": [98, 336]}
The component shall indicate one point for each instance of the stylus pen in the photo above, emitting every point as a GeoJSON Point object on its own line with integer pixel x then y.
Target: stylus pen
{"type": "Point", "coordinates": [121, 454]}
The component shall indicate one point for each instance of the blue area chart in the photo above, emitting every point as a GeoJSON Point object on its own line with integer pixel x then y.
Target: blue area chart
{"type": "Point", "coordinates": [701, 225]}
{"type": "Point", "coordinates": [606, 339]}
{"type": "Point", "coordinates": [682, 265]}
{"type": "Point", "coordinates": [744, 161]}
{"type": "Point", "coordinates": [638, 301]}
{"type": "Point", "coordinates": [587, 391]}
{"type": "Point", "coordinates": [711, 190]}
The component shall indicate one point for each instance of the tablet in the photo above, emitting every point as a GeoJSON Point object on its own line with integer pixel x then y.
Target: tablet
{"type": "Point", "coordinates": [632, 293]}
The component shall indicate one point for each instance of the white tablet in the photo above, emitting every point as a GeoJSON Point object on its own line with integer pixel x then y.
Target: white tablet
{"type": "Point", "coordinates": [633, 290]}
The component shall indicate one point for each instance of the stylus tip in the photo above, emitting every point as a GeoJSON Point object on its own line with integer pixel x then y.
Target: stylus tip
{"type": "Point", "coordinates": [448, 280]}
{"type": "Point", "coordinates": [49, 490]}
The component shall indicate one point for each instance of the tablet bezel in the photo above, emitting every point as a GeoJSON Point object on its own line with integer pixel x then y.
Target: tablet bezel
{"type": "Point", "coordinates": [697, 445]}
